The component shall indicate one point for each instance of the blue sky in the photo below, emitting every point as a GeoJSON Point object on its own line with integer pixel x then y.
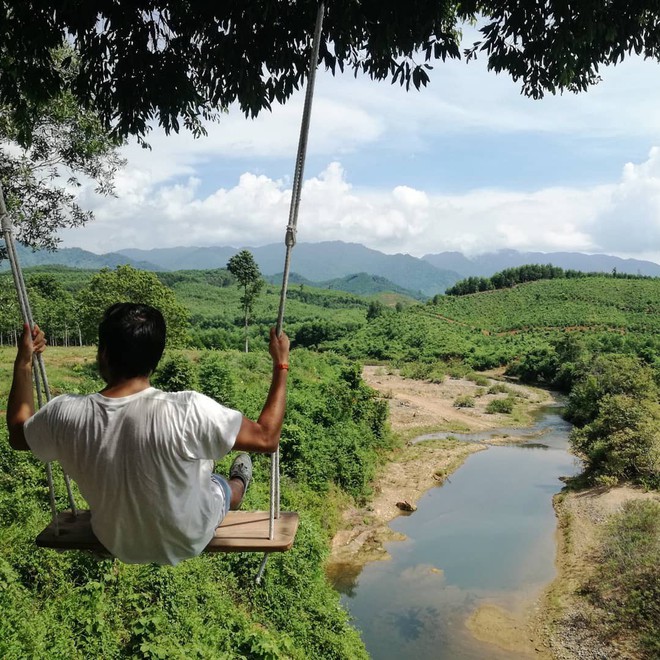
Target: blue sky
{"type": "Point", "coordinates": [466, 164]}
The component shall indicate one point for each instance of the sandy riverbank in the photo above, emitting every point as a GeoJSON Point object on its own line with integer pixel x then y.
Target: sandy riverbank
{"type": "Point", "coordinates": [417, 408]}
{"type": "Point", "coordinates": [550, 626]}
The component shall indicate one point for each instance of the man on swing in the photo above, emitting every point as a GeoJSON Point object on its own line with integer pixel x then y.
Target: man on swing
{"type": "Point", "coordinates": [143, 458]}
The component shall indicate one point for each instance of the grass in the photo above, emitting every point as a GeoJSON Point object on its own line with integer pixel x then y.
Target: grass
{"type": "Point", "coordinates": [407, 435]}
{"type": "Point", "coordinates": [464, 401]}
{"type": "Point", "coordinates": [626, 586]}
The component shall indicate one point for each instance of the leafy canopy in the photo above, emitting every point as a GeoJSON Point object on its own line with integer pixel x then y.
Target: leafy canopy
{"type": "Point", "coordinates": [555, 46]}
{"type": "Point", "coordinates": [176, 61]}
{"type": "Point", "coordinates": [45, 152]}
{"type": "Point", "coordinates": [127, 284]}
{"type": "Point", "coordinates": [245, 269]}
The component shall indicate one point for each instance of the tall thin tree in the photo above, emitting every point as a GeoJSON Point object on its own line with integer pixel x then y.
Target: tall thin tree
{"type": "Point", "coordinates": [244, 268]}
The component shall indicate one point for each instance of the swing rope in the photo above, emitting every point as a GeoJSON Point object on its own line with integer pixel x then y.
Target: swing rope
{"type": "Point", "coordinates": [39, 368]}
{"type": "Point", "coordinates": [290, 241]}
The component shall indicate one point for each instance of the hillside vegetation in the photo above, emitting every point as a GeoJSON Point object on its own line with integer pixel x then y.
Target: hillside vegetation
{"type": "Point", "coordinates": [73, 606]}
{"type": "Point", "coordinates": [62, 303]}
{"type": "Point", "coordinates": [595, 338]}
{"type": "Point", "coordinates": [496, 327]}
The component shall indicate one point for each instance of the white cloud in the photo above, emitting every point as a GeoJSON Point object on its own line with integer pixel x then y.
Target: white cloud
{"type": "Point", "coordinates": [631, 224]}
{"type": "Point", "coordinates": [336, 128]}
{"type": "Point", "coordinates": [466, 97]}
{"type": "Point", "coordinates": [402, 219]}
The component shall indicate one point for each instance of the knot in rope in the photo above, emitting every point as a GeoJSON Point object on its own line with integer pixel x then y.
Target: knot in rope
{"type": "Point", "coordinates": [290, 238]}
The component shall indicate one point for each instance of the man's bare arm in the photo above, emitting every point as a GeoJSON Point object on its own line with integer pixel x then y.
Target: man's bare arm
{"type": "Point", "coordinates": [263, 436]}
{"type": "Point", "coordinates": [20, 406]}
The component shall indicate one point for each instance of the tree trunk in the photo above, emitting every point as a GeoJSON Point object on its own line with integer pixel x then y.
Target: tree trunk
{"type": "Point", "coordinates": [246, 331]}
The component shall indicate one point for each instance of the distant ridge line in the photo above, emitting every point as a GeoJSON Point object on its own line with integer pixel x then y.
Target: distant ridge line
{"type": "Point", "coordinates": [333, 260]}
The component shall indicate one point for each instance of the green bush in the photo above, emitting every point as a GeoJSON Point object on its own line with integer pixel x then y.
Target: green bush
{"type": "Point", "coordinates": [437, 374]}
{"type": "Point", "coordinates": [175, 374]}
{"type": "Point", "coordinates": [501, 405]}
{"type": "Point", "coordinates": [216, 380]}
{"type": "Point", "coordinates": [457, 370]}
{"type": "Point", "coordinates": [499, 388]}
{"type": "Point", "coordinates": [478, 379]}
{"type": "Point", "coordinates": [464, 401]}
{"type": "Point", "coordinates": [623, 441]}
{"type": "Point", "coordinates": [538, 364]}
{"type": "Point", "coordinates": [416, 370]}
{"type": "Point", "coordinates": [608, 374]}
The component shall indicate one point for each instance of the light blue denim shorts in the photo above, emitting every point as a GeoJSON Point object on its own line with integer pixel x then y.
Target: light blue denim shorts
{"type": "Point", "coordinates": [224, 484]}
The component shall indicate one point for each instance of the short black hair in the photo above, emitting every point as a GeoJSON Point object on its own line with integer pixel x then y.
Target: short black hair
{"type": "Point", "coordinates": [132, 338]}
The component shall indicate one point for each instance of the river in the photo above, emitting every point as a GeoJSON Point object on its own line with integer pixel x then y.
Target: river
{"type": "Point", "coordinates": [486, 536]}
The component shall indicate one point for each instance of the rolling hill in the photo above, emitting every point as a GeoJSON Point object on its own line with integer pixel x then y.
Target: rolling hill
{"type": "Point", "coordinates": [318, 262]}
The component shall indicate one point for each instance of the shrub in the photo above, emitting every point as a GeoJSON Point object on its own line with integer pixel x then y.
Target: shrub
{"type": "Point", "coordinates": [175, 374]}
{"type": "Point", "coordinates": [216, 380]}
{"type": "Point", "coordinates": [457, 370]}
{"type": "Point", "coordinates": [464, 401]}
{"type": "Point", "coordinates": [623, 442]}
{"type": "Point", "coordinates": [501, 405]}
{"type": "Point", "coordinates": [539, 364]}
{"type": "Point", "coordinates": [416, 370]}
{"type": "Point", "coordinates": [437, 374]}
{"type": "Point", "coordinates": [626, 586]}
{"type": "Point", "coordinates": [478, 379]}
{"type": "Point", "coordinates": [499, 388]}
{"type": "Point", "coordinates": [608, 374]}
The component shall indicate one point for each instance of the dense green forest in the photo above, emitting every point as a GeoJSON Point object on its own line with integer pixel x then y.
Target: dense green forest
{"type": "Point", "coordinates": [596, 339]}
{"type": "Point", "coordinates": [68, 302]}
{"type": "Point", "coordinates": [510, 277]}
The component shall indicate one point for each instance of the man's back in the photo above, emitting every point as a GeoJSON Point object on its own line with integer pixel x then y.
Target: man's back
{"type": "Point", "coordinates": [143, 462]}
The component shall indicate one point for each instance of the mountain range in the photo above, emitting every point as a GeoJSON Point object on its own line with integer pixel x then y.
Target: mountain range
{"type": "Point", "coordinates": [335, 260]}
{"type": "Point", "coordinates": [486, 265]}
{"type": "Point", "coordinates": [317, 262]}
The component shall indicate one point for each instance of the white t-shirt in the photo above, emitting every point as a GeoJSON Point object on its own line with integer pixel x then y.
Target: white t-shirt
{"type": "Point", "coordinates": [143, 463]}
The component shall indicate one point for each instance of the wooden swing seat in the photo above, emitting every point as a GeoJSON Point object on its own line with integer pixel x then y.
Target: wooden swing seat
{"type": "Point", "coordinates": [240, 531]}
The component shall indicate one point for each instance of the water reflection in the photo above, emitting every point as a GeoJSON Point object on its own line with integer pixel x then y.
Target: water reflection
{"type": "Point", "coordinates": [344, 578]}
{"type": "Point", "coordinates": [412, 623]}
